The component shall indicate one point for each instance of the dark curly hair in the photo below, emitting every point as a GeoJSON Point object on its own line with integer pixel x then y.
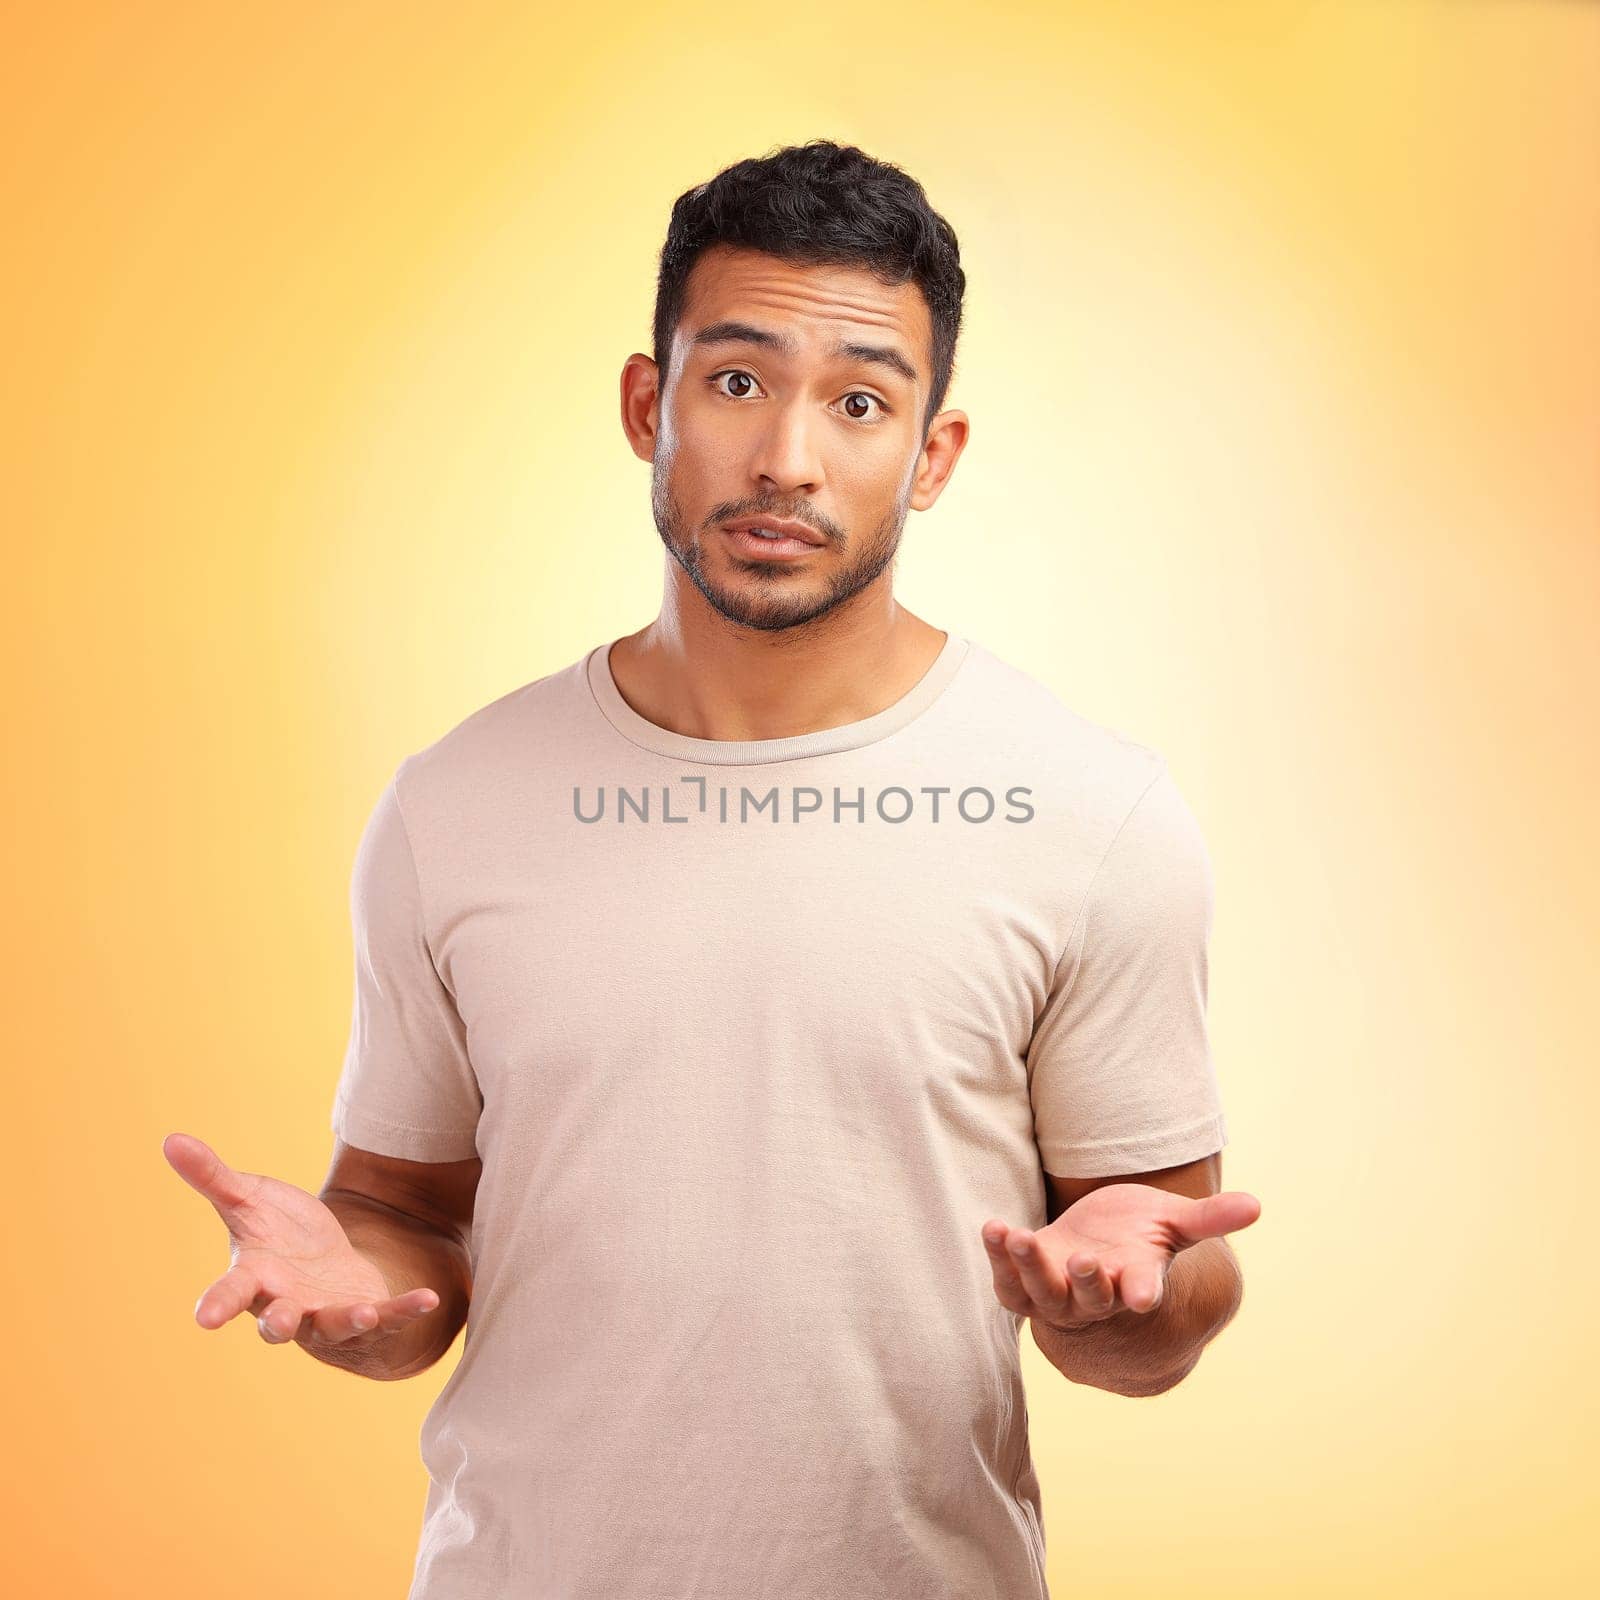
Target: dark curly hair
{"type": "Point", "coordinates": [820, 204]}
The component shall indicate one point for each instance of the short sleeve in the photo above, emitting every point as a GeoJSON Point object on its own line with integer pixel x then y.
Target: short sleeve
{"type": "Point", "coordinates": [1120, 1072]}
{"type": "Point", "coordinates": [408, 1087]}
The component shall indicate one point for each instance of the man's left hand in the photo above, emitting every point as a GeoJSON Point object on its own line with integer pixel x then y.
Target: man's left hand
{"type": "Point", "coordinates": [1106, 1253]}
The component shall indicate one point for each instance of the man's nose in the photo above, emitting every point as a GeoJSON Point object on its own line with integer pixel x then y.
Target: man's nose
{"type": "Point", "coordinates": [788, 453]}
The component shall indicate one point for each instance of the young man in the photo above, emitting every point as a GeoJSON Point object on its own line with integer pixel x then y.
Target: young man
{"type": "Point", "coordinates": [759, 1018]}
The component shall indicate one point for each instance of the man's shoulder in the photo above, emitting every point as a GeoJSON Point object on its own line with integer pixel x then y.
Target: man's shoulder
{"type": "Point", "coordinates": [493, 745]}
{"type": "Point", "coordinates": [1024, 711]}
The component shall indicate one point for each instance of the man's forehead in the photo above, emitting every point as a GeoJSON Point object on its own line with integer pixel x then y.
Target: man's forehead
{"type": "Point", "coordinates": [759, 300]}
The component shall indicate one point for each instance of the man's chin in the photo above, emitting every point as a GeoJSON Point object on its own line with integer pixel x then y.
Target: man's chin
{"type": "Point", "coordinates": [756, 595]}
{"type": "Point", "coordinates": [754, 608]}
{"type": "Point", "coordinates": [766, 618]}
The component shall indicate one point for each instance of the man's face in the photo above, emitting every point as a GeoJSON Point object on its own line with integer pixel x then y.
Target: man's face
{"type": "Point", "coordinates": [766, 408]}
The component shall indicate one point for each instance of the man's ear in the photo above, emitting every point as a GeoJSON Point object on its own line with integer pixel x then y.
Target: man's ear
{"type": "Point", "coordinates": [641, 404]}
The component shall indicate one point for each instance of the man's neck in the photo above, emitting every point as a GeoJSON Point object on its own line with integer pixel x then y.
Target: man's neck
{"type": "Point", "coordinates": [712, 679]}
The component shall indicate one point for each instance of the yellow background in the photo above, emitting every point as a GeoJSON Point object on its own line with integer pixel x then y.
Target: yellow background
{"type": "Point", "coordinates": [1283, 364]}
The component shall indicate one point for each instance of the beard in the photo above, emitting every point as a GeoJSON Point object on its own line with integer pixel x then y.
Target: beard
{"type": "Point", "coordinates": [771, 595]}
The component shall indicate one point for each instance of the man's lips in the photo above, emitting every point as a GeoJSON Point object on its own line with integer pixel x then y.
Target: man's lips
{"type": "Point", "coordinates": [775, 525]}
{"type": "Point", "coordinates": [771, 548]}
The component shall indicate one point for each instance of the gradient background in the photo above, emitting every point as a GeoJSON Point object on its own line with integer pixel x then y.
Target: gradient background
{"type": "Point", "coordinates": [1283, 364]}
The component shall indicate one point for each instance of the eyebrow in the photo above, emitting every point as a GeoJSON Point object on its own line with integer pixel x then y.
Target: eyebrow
{"type": "Point", "coordinates": [731, 331]}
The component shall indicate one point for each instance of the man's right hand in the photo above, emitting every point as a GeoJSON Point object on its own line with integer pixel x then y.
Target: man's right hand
{"type": "Point", "coordinates": [293, 1265]}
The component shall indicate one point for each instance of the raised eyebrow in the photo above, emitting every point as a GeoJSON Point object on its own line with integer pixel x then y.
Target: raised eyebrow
{"type": "Point", "coordinates": [730, 331]}
{"type": "Point", "coordinates": [879, 354]}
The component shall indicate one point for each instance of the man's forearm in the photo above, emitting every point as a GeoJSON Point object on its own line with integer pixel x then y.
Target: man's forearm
{"type": "Point", "coordinates": [1146, 1353]}
{"type": "Point", "coordinates": [410, 1254]}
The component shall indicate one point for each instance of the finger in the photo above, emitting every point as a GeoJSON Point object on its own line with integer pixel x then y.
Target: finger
{"type": "Point", "coordinates": [203, 1169]}
{"type": "Point", "coordinates": [336, 1324]}
{"type": "Point", "coordinates": [227, 1297]}
{"type": "Point", "coordinates": [1092, 1291]}
{"type": "Point", "coordinates": [1007, 1285]}
{"type": "Point", "coordinates": [1041, 1277]}
{"type": "Point", "coordinates": [409, 1306]}
{"type": "Point", "coordinates": [1142, 1288]}
{"type": "Point", "coordinates": [1213, 1215]}
{"type": "Point", "coordinates": [280, 1322]}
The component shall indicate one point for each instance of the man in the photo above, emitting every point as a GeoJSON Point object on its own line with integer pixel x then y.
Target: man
{"type": "Point", "coordinates": [759, 1018]}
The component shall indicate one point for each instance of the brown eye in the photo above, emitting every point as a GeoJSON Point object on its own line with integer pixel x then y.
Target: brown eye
{"type": "Point", "coordinates": [862, 395]}
{"type": "Point", "coordinates": [732, 373]}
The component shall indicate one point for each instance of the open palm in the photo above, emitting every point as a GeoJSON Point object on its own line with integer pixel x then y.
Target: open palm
{"type": "Point", "coordinates": [1107, 1252]}
{"type": "Point", "coordinates": [292, 1263]}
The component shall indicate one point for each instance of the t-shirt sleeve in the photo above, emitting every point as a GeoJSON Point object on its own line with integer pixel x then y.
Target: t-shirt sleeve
{"type": "Point", "coordinates": [407, 1087]}
{"type": "Point", "coordinates": [1120, 1072]}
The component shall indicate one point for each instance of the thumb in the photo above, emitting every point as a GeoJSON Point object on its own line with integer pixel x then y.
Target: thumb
{"type": "Point", "coordinates": [204, 1170]}
{"type": "Point", "coordinates": [1213, 1215]}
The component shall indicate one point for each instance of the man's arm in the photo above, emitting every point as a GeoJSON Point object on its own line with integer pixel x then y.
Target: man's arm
{"type": "Point", "coordinates": [1146, 1353]}
{"type": "Point", "coordinates": [412, 1220]}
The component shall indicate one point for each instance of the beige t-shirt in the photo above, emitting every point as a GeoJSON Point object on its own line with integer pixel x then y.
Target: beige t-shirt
{"type": "Point", "coordinates": [752, 1037]}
